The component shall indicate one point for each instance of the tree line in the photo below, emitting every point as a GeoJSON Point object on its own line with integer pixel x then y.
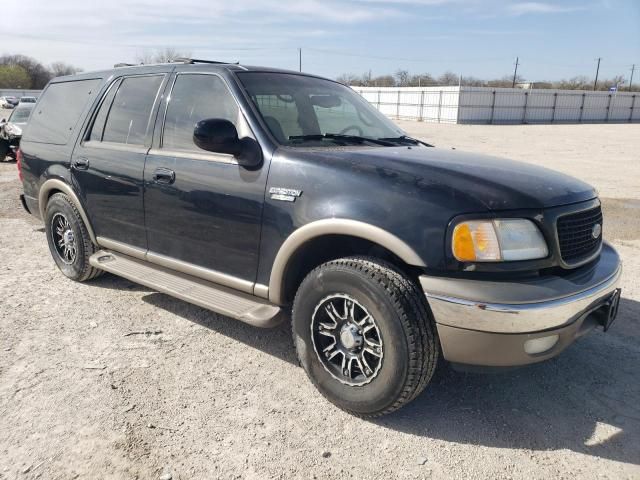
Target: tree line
{"type": "Point", "coordinates": [402, 78]}
{"type": "Point", "coordinates": [20, 71]}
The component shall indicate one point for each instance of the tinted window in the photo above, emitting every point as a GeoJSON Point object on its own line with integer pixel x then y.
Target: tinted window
{"type": "Point", "coordinates": [194, 98]}
{"type": "Point", "coordinates": [20, 114]}
{"type": "Point", "coordinates": [128, 119]}
{"type": "Point", "coordinates": [59, 111]}
{"type": "Point", "coordinates": [98, 123]}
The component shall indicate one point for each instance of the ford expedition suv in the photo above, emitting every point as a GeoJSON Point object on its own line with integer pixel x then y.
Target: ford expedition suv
{"type": "Point", "coordinates": [265, 195]}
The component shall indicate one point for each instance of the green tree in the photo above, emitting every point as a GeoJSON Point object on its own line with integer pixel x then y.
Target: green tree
{"type": "Point", "coordinates": [14, 76]}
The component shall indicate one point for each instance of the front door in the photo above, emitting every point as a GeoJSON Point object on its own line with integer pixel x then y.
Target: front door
{"type": "Point", "coordinates": [202, 210]}
{"type": "Point", "coordinates": [108, 165]}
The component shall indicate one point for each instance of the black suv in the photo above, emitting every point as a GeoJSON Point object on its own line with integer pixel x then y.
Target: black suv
{"type": "Point", "coordinates": [259, 193]}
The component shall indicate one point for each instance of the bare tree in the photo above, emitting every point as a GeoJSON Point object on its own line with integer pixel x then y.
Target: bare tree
{"type": "Point", "coordinates": [384, 81]}
{"type": "Point", "coordinates": [349, 79]}
{"type": "Point", "coordinates": [162, 55]}
{"type": "Point", "coordinates": [402, 78]}
{"type": "Point", "coordinates": [448, 78]}
{"type": "Point", "coordinates": [421, 80]}
{"type": "Point", "coordinates": [575, 83]}
{"type": "Point", "coordinates": [59, 69]}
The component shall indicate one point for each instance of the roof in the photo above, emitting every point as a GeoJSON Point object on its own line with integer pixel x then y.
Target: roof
{"type": "Point", "coordinates": [150, 68]}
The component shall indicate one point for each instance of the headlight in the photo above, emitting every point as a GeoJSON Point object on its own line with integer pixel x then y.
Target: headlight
{"type": "Point", "coordinates": [498, 240]}
{"type": "Point", "coordinates": [13, 130]}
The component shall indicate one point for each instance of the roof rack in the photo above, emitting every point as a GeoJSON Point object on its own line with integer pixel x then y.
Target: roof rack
{"type": "Point", "coordinates": [198, 60]}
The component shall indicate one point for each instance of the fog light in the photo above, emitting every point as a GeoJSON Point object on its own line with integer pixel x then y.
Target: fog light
{"type": "Point", "coordinates": [539, 345]}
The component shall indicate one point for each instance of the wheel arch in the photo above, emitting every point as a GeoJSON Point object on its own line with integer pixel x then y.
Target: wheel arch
{"type": "Point", "coordinates": [310, 233]}
{"type": "Point", "coordinates": [54, 185]}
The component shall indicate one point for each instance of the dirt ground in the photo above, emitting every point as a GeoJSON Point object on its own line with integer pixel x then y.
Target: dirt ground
{"type": "Point", "coordinates": [108, 379]}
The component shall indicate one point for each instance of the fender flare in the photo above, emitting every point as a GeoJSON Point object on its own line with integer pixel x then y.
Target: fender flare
{"type": "Point", "coordinates": [55, 184]}
{"type": "Point", "coordinates": [333, 226]}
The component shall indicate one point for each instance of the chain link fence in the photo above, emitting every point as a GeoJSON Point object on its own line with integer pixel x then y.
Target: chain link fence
{"type": "Point", "coordinates": [482, 105]}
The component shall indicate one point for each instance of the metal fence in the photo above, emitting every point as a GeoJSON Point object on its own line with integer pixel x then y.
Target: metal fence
{"type": "Point", "coordinates": [16, 92]}
{"type": "Point", "coordinates": [481, 105]}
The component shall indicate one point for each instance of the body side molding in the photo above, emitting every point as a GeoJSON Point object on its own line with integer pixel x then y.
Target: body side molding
{"type": "Point", "coordinates": [55, 184]}
{"type": "Point", "coordinates": [334, 226]}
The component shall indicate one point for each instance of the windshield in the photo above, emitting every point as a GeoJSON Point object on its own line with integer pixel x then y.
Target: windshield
{"type": "Point", "coordinates": [20, 115]}
{"type": "Point", "coordinates": [302, 111]}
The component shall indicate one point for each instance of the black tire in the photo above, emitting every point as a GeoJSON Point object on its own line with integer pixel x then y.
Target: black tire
{"type": "Point", "coordinates": [60, 210]}
{"type": "Point", "coordinates": [408, 340]}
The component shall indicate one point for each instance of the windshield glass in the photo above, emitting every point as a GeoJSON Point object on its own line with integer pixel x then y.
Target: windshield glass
{"type": "Point", "coordinates": [302, 111]}
{"type": "Point", "coordinates": [20, 115]}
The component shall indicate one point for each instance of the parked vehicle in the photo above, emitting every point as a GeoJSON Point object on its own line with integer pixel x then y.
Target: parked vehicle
{"type": "Point", "coordinates": [8, 102]}
{"type": "Point", "coordinates": [13, 101]}
{"type": "Point", "coordinates": [259, 193]}
{"type": "Point", "coordinates": [27, 100]}
{"type": "Point", "coordinates": [11, 130]}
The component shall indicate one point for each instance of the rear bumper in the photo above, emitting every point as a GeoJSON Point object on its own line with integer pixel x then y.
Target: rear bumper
{"type": "Point", "coordinates": [493, 323]}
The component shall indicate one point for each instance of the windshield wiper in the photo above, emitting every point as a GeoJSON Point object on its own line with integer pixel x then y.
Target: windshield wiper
{"type": "Point", "coordinates": [348, 138]}
{"type": "Point", "coordinates": [406, 138]}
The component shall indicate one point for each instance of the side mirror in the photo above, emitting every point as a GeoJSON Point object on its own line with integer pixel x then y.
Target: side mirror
{"type": "Point", "coordinates": [220, 136]}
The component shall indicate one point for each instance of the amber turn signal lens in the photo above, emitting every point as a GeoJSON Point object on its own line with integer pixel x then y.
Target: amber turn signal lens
{"type": "Point", "coordinates": [463, 248]}
{"type": "Point", "coordinates": [476, 240]}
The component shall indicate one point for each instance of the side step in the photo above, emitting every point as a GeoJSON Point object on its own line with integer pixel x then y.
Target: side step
{"type": "Point", "coordinates": [223, 300]}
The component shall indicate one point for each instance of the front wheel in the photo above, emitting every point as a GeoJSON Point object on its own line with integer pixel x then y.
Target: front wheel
{"type": "Point", "coordinates": [364, 335]}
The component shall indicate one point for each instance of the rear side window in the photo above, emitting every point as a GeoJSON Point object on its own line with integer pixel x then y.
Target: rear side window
{"type": "Point", "coordinates": [128, 117]}
{"type": "Point", "coordinates": [59, 110]}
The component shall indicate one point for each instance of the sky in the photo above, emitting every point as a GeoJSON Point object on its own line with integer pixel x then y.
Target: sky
{"type": "Point", "coordinates": [482, 38]}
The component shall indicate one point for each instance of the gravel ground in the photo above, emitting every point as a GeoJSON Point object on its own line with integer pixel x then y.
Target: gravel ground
{"type": "Point", "coordinates": [108, 379]}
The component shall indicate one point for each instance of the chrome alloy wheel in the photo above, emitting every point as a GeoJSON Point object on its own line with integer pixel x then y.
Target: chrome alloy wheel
{"type": "Point", "coordinates": [63, 238]}
{"type": "Point", "coordinates": [346, 340]}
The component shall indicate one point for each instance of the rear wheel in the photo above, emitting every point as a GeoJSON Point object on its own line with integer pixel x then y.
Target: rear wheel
{"type": "Point", "coordinates": [364, 335]}
{"type": "Point", "coordinates": [69, 241]}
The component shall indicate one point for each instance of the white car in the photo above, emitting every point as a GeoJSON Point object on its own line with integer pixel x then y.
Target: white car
{"type": "Point", "coordinates": [3, 102]}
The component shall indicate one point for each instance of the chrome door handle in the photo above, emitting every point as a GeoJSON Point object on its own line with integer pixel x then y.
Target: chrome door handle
{"type": "Point", "coordinates": [164, 176]}
{"type": "Point", "coordinates": [80, 163]}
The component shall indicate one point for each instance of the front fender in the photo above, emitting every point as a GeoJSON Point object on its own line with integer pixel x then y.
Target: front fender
{"type": "Point", "coordinates": [333, 226]}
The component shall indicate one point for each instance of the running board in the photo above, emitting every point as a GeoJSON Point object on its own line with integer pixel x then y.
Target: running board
{"type": "Point", "coordinates": [222, 300]}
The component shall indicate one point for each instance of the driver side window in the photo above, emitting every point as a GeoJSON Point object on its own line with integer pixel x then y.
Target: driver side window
{"type": "Point", "coordinates": [196, 97]}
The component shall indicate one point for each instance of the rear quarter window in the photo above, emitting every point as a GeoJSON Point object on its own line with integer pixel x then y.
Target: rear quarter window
{"type": "Point", "coordinates": [58, 112]}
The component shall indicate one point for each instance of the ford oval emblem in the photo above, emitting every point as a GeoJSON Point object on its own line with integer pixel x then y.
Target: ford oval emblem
{"type": "Point", "coordinates": [596, 231]}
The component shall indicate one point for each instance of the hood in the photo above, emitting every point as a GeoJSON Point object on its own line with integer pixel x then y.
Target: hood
{"type": "Point", "coordinates": [496, 183]}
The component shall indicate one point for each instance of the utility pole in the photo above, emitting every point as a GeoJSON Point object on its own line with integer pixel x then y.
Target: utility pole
{"type": "Point", "coordinates": [300, 59]}
{"type": "Point", "coordinates": [595, 84]}
{"type": "Point", "coordinates": [515, 72]}
{"type": "Point", "coordinates": [633, 68]}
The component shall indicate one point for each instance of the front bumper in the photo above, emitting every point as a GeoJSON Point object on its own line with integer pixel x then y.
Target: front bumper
{"type": "Point", "coordinates": [492, 323]}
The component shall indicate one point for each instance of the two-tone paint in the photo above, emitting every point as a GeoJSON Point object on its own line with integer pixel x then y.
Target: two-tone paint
{"type": "Point", "coordinates": [218, 220]}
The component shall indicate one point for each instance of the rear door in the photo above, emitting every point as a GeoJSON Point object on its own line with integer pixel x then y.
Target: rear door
{"type": "Point", "coordinates": [202, 210]}
{"type": "Point", "coordinates": [108, 164]}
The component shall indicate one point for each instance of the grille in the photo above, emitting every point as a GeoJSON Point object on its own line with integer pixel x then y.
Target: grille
{"type": "Point", "coordinates": [575, 235]}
